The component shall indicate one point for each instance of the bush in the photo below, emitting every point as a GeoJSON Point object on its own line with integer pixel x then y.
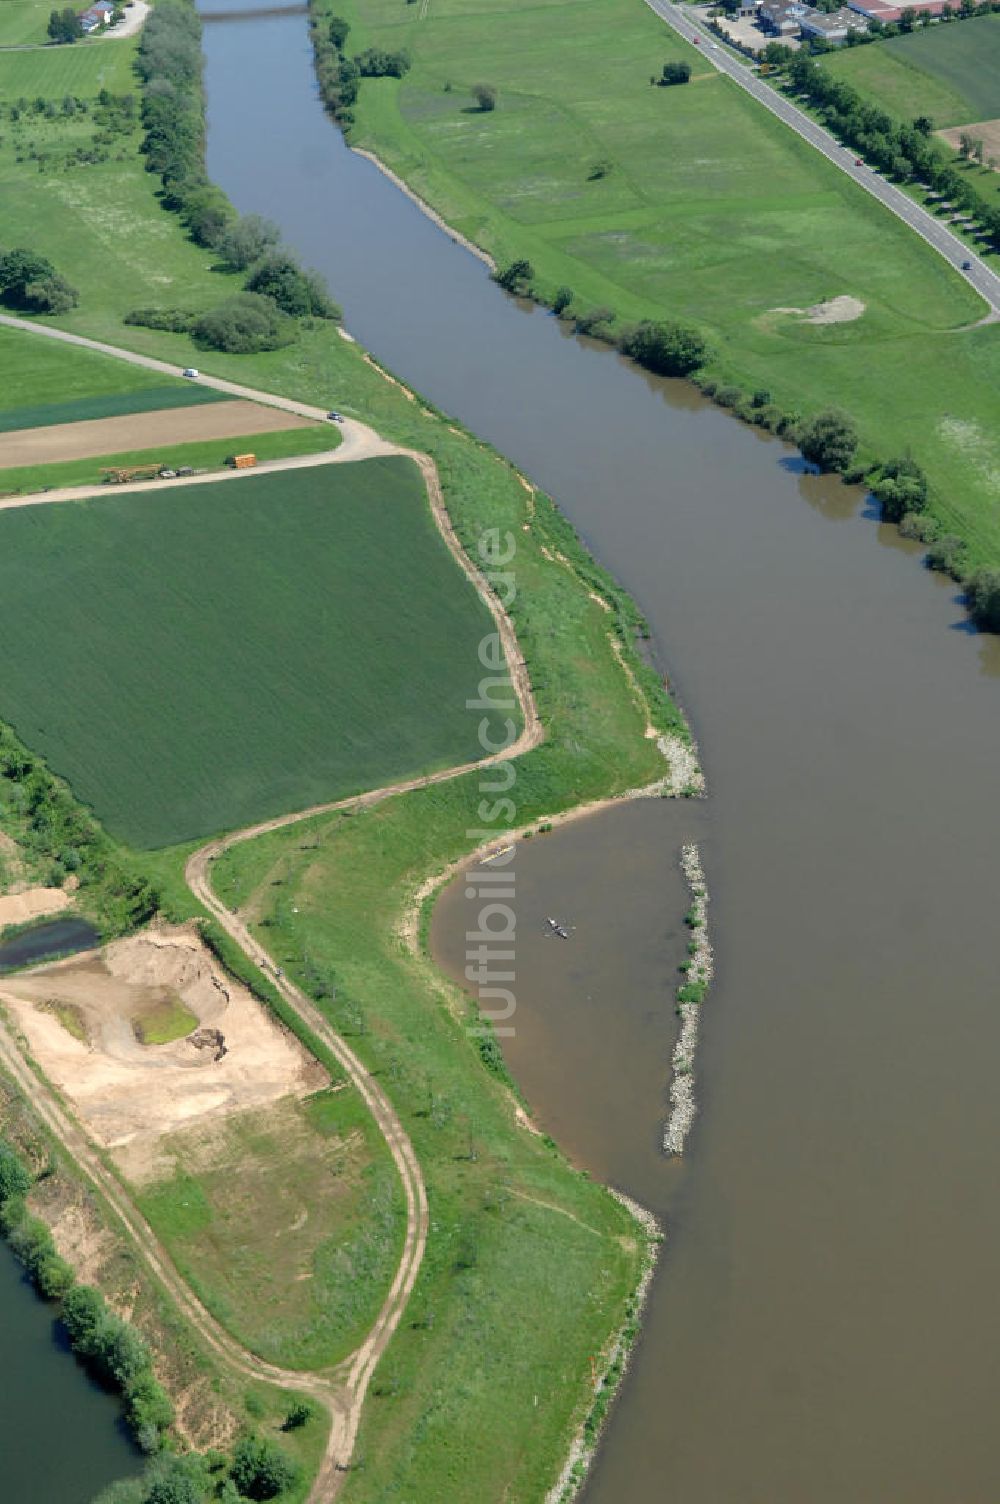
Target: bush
{"type": "Point", "coordinates": [947, 556]}
{"type": "Point", "coordinates": [337, 32]}
{"type": "Point", "coordinates": [246, 240]}
{"type": "Point", "coordinates": [918, 527]}
{"type": "Point", "coordinates": [30, 282]}
{"type": "Point", "coordinates": [298, 1415]}
{"type": "Point", "coordinates": [828, 440]}
{"type": "Point", "coordinates": [15, 1178]}
{"type": "Point", "coordinates": [595, 321]}
{"type": "Point", "coordinates": [485, 96]}
{"type": "Point", "coordinates": [295, 291]}
{"type": "Point", "coordinates": [516, 277]}
{"type": "Point", "coordinates": [243, 325]}
{"type": "Point", "coordinates": [262, 1470]}
{"type": "Point", "coordinates": [562, 299]}
{"type": "Point", "coordinates": [149, 1409]}
{"type": "Point", "coordinates": [668, 349]}
{"type": "Point", "coordinates": [675, 73]}
{"type": "Point", "coordinates": [983, 595]}
{"type": "Point", "coordinates": [375, 62]}
{"type": "Point", "coordinates": [177, 320]}
{"type": "Point", "coordinates": [900, 488]}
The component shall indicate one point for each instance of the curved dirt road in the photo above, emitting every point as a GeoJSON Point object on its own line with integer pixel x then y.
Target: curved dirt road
{"type": "Point", "coordinates": [343, 1390]}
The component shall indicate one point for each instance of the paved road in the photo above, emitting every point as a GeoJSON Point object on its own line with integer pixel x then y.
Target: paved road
{"type": "Point", "coordinates": [979, 276]}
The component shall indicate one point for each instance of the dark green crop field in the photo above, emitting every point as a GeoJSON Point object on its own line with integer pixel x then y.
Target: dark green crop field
{"type": "Point", "coordinates": [951, 73]}
{"type": "Point", "coordinates": [200, 659]}
{"type": "Point", "coordinates": [110, 405]}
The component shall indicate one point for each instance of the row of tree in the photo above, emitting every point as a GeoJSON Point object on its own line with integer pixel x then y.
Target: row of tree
{"type": "Point", "coordinates": [116, 1354]}
{"type": "Point", "coordinates": [276, 291]}
{"type": "Point", "coordinates": [905, 151]}
{"type": "Point", "coordinates": [112, 1349]}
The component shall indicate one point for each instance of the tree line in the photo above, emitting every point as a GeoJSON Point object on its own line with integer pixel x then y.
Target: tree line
{"type": "Point", "coordinates": [116, 1354]}
{"type": "Point", "coordinates": [905, 151]}
{"type": "Point", "coordinates": [276, 291]}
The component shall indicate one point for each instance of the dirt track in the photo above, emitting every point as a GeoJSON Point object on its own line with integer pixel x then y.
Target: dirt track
{"type": "Point", "coordinates": [163, 428]}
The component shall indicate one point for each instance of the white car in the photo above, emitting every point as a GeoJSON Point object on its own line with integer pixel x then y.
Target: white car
{"type": "Point", "coordinates": [192, 373]}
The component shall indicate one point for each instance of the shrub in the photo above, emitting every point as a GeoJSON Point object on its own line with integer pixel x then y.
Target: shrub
{"type": "Point", "coordinates": [947, 556]}
{"type": "Point", "coordinates": [243, 325]}
{"type": "Point", "coordinates": [150, 1411]}
{"type": "Point", "coordinates": [562, 299]}
{"type": "Point", "coordinates": [594, 320]}
{"type": "Point", "coordinates": [516, 277]}
{"type": "Point", "coordinates": [485, 96]}
{"type": "Point", "coordinates": [15, 1178]}
{"type": "Point", "coordinates": [337, 32]}
{"type": "Point", "coordinates": [177, 320]}
{"type": "Point", "coordinates": [900, 487]}
{"type": "Point", "coordinates": [375, 62]}
{"type": "Point", "coordinates": [669, 349]}
{"type": "Point", "coordinates": [828, 440]}
{"type": "Point", "coordinates": [30, 282]}
{"type": "Point", "coordinates": [295, 291]}
{"type": "Point", "coordinates": [298, 1415]}
{"type": "Point", "coordinates": [917, 526]}
{"type": "Point", "coordinates": [246, 240]}
{"type": "Point", "coordinates": [262, 1470]}
{"type": "Point", "coordinates": [983, 595]}
{"type": "Point", "coordinates": [675, 73]}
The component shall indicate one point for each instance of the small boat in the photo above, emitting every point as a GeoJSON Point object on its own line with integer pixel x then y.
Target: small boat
{"type": "Point", "coordinates": [555, 928]}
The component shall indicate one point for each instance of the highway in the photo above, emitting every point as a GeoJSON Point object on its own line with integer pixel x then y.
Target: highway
{"type": "Point", "coordinates": [979, 275]}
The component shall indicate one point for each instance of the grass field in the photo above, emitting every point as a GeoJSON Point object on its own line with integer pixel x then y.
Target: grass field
{"type": "Point", "coordinates": [288, 1222]}
{"type": "Point", "coordinates": [22, 23]}
{"type": "Point", "coordinates": [204, 657]}
{"type": "Point", "coordinates": [208, 454]}
{"type": "Point", "coordinates": [711, 210]}
{"type": "Point", "coordinates": [38, 378]}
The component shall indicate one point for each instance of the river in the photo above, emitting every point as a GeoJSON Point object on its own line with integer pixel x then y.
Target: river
{"type": "Point", "coordinates": [823, 1326]}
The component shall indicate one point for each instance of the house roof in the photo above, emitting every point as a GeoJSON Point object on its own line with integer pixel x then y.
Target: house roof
{"type": "Point", "coordinates": [881, 10]}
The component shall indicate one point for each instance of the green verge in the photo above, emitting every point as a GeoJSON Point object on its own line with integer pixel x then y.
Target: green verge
{"type": "Point", "coordinates": [207, 454]}
{"type": "Point", "coordinates": [710, 210]}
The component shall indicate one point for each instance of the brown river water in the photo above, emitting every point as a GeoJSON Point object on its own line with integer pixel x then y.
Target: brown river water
{"type": "Point", "coordinates": [824, 1323]}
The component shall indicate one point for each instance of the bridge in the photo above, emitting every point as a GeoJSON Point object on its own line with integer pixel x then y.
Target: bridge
{"type": "Point", "coordinates": [255, 13]}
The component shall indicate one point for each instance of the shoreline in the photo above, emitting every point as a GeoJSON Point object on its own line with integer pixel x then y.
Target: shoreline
{"type": "Point", "coordinates": [422, 204]}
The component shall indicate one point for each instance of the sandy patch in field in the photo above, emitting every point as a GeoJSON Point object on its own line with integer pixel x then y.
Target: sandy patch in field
{"type": "Point", "coordinates": [134, 431]}
{"type": "Point", "coordinates": [842, 310]}
{"type": "Point", "coordinates": [16, 908]}
{"type": "Point", "coordinates": [986, 131]}
{"type": "Point", "coordinates": [129, 1094]}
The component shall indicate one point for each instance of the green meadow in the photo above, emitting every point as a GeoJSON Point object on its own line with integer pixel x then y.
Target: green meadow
{"type": "Point", "coordinates": [287, 1221]}
{"type": "Point", "coordinates": [708, 209]}
{"type": "Point", "coordinates": [196, 659]}
{"type": "Point", "coordinates": [43, 381]}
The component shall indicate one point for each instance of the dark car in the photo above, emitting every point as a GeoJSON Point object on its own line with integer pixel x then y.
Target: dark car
{"type": "Point", "coordinates": [966, 266]}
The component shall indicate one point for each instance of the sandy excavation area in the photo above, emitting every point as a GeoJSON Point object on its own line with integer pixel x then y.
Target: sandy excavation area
{"type": "Point", "coordinates": [986, 131]}
{"type": "Point", "coordinates": [135, 431]}
{"type": "Point", "coordinates": [80, 1019]}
